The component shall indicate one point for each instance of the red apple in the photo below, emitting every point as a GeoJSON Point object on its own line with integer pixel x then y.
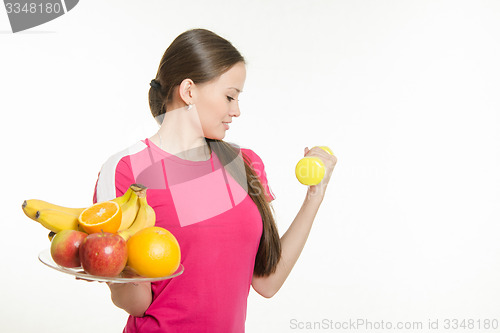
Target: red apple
{"type": "Point", "coordinates": [64, 247]}
{"type": "Point", "coordinates": [103, 254]}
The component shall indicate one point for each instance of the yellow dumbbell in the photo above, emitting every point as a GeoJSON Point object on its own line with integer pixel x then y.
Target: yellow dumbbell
{"type": "Point", "coordinates": [311, 170]}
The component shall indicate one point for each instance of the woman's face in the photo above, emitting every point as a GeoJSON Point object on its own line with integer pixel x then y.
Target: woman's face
{"type": "Point", "coordinates": [217, 101]}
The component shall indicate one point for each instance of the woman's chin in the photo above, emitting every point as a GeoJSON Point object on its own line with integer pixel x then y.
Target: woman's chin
{"type": "Point", "coordinates": [216, 136]}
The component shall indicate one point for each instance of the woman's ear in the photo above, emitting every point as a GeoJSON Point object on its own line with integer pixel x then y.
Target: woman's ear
{"type": "Point", "coordinates": [186, 91]}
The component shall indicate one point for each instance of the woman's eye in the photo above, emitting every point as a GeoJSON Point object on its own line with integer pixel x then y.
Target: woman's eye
{"type": "Point", "coordinates": [230, 98]}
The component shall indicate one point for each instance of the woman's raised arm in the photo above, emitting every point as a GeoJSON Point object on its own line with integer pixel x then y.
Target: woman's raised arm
{"type": "Point", "coordinates": [294, 239]}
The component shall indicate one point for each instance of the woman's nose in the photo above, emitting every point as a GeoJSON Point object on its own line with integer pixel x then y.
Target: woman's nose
{"type": "Point", "coordinates": [235, 112]}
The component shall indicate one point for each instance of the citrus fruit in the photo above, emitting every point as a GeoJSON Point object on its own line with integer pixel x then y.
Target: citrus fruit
{"type": "Point", "coordinates": [153, 252]}
{"type": "Point", "coordinates": [103, 216]}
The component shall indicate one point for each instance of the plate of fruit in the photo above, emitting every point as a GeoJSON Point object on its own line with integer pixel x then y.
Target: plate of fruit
{"type": "Point", "coordinates": [110, 241]}
{"type": "Point", "coordinates": [125, 276]}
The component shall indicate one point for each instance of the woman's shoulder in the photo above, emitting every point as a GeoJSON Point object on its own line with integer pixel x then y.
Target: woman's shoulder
{"type": "Point", "coordinates": [132, 149]}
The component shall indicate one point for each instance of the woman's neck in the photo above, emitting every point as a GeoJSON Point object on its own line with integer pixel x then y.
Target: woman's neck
{"type": "Point", "coordinates": [180, 134]}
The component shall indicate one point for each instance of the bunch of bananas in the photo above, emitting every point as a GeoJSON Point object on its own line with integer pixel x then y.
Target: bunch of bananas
{"type": "Point", "coordinates": [137, 214]}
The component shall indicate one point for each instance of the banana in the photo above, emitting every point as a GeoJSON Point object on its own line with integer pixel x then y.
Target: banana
{"type": "Point", "coordinates": [138, 188]}
{"type": "Point", "coordinates": [32, 206]}
{"type": "Point", "coordinates": [57, 220]}
{"type": "Point", "coordinates": [51, 235]}
{"type": "Point", "coordinates": [124, 198]}
{"type": "Point", "coordinates": [129, 205]}
{"type": "Point", "coordinates": [146, 217]}
{"type": "Point", "coordinates": [129, 211]}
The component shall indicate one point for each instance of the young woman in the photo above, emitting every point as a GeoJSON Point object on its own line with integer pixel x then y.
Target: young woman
{"type": "Point", "coordinates": [212, 195]}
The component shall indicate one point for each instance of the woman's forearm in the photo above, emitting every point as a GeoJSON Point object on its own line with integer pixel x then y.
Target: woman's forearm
{"type": "Point", "coordinates": [292, 243]}
{"type": "Point", "coordinates": [134, 298]}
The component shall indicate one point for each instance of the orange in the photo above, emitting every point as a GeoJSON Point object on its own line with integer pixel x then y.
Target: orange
{"type": "Point", "coordinates": [153, 252]}
{"type": "Point", "coordinates": [103, 216]}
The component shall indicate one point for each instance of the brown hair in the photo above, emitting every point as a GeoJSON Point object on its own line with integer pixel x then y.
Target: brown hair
{"type": "Point", "coordinates": [202, 56]}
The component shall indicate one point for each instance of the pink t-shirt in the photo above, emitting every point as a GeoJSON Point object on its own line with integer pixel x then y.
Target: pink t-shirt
{"type": "Point", "coordinates": [218, 228]}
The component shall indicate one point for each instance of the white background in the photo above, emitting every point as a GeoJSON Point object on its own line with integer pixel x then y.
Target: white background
{"type": "Point", "coordinates": [404, 92]}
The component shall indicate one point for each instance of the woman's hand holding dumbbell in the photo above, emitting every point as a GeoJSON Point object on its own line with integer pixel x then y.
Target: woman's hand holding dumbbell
{"type": "Point", "coordinates": [316, 168]}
